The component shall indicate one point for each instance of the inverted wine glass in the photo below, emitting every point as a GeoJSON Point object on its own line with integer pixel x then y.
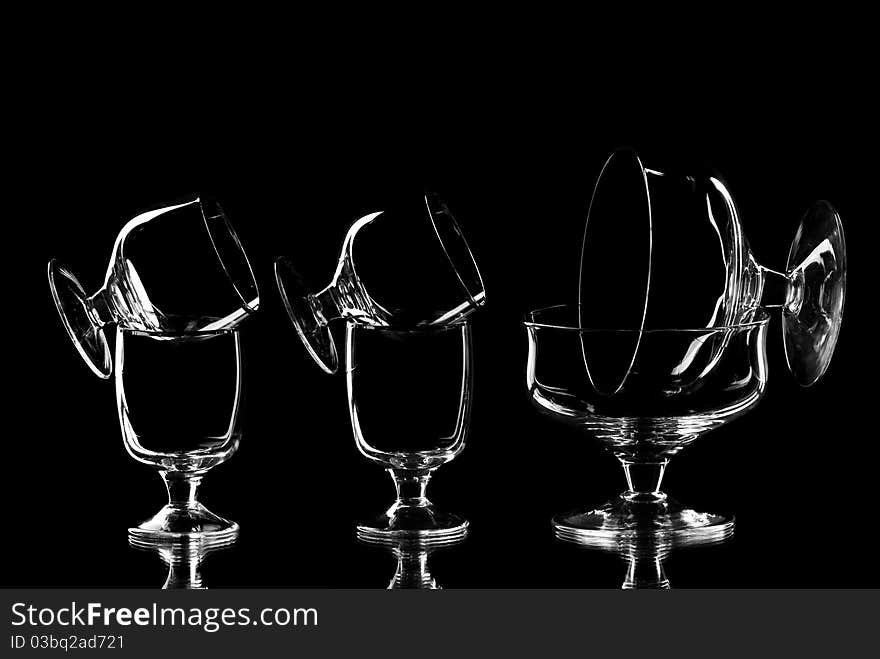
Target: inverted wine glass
{"type": "Point", "coordinates": [180, 268]}
{"type": "Point", "coordinates": [179, 398]}
{"type": "Point", "coordinates": [407, 267]}
{"type": "Point", "coordinates": [682, 384]}
{"type": "Point", "coordinates": [679, 257]}
{"type": "Point", "coordinates": [409, 397]}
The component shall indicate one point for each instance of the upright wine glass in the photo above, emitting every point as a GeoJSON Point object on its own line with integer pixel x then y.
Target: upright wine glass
{"type": "Point", "coordinates": [680, 258]}
{"type": "Point", "coordinates": [682, 384]}
{"type": "Point", "coordinates": [179, 398]}
{"type": "Point", "coordinates": [177, 269]}
{"type": "Point", "coordinates": [406, 267]}
{"type": "Point", "coordinates": [409, 397]}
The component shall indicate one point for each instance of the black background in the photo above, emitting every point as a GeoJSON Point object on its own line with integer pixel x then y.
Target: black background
{"type": "Point", "coordinates": [516, 156]}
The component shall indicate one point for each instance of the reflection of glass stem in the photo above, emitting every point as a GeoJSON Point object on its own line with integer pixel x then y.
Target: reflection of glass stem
{"type": "Point", "coordinates": [412, 570]}
{"type": "Point", "coordinates": [184, 559]}
{"type": "Point", "coordinates": [645, 572]}
{"type": "Point", "coordinates": [183, 569]}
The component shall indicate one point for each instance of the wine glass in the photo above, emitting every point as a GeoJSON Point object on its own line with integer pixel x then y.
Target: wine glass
{"type": "Point", "coordinates": [680, 258]}
{"type": "Point", "coordinates": [180, 269]}
{"type": "Point", "coordinates": [179, 398]}
{"type": "Point", "coordinates": [683, 383]}
{"type": "Point", "coordinates": [409, 398]}
{"type": "Point", "coordinates": [412, 554]}
{"type": "Point", "coordinates": [407, 267]}
{"type": "Point", "coordinates": [184, 557]}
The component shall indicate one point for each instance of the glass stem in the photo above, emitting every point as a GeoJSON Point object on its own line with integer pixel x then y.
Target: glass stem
{"type": "Point", "coordinates": [182, 488]}
{"type": "Point", "coordinates": [645, 572]}
{"type": "Point", "coordinates": [99, 308]}
{"type": "Point", "coordinates": [643, 481]}
{"type": "Point", "coordinates": [780, 290]}
{"type": "Point", "coordinates": [411, 486]}
{"type": "Point", "coordinates": [325, 305]}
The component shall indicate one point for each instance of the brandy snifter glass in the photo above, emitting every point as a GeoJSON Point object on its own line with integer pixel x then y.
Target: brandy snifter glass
{"type": "Point", "coordinates": [682, 384]}
{"type": "Point", "coordinates": [676, 245]}
{"type": "Point", "coordinates": [409, 397]}
{"type": "Point", "coordinates": [407, 266]}
{"type": "Point", "coordinates": [179, 397]}
{"type": "Point", "coordinates": [177, 269]}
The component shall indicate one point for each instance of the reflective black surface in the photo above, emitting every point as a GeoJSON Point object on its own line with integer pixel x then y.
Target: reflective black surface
{"type": "Point", "coordinates": [793, 471]}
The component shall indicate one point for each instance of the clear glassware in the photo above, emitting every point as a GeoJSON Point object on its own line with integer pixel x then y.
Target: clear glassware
{"type": "Point", "coordinates": [683, 383]}
{"type": "Point", "coordinates": [179, 269]}
{"type": "Point", "coordinates": [409, 397]}
{"type": "Point", "coordinates": [434, 281]}
{"type": "Point", "coordinates": [179, 398]}
{"type": "Point", "coordinates": [184, 557]}
{"type": "Point", "coordinates": [412, 571]}
{"type": "Point", "coordinates": [680, 258]}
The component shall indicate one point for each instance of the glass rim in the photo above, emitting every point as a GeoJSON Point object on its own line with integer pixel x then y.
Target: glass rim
{"type": "Point", "coordinates": [465, 321]}
{"type": "Point", "coordinates": [472, 295]}
{"type": "Point", "coordinates": [137, 331]}
{"type": "Point", "coordinates": [203, 200]}
{"type": "Point", "coordinates": [533, 319]}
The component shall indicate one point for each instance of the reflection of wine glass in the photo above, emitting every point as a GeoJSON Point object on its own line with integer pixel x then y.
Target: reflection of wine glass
{"type": "Point", "coordinates": [175, 269]}
{"type": "Point", "coordinates": [184, 557]}
{"type": "Point", "coordinates": [644, 554]}
{"type": "Point", "coordinates": [408, 267]}
{"type": "Point", "coordinates": [682, 385]}
{"type": "Point", "coordinates": [178, 397]}
{"type": "Point", "coordinates": [680, 258]}
{"type": "Point", "coordinates": [412, 560]}
{"type": "Point", "coordinates": [409, 396]}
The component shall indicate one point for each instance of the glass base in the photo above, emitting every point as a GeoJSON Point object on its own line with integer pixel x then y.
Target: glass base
{"type": "Point", "coordinates": [811, 324]}
{"type": "Point", "coordinates": [627, 519]}
{"type": "Point", "coordinates": [175, 523]}
{"type": "Point", "coordinates": [73, 305]}
{"type": "Point", "coordinates": [315, 335]}
{"type": "Point", "coordinates": [418, 523]}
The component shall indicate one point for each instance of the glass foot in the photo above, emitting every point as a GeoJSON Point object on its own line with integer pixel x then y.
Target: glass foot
{"type": "Point", "coordinates": [309, 326]}
{"type": "Point", "coordinates": [812, 317]}
{"type": "Point", "coordinates": [623, 519]}
{"type": "Point", "coordinates": [176, 522]}
{"type": "Point", "coordinates": [74, 307]}
{"type": "Point", "coordinates": [423, 523]}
